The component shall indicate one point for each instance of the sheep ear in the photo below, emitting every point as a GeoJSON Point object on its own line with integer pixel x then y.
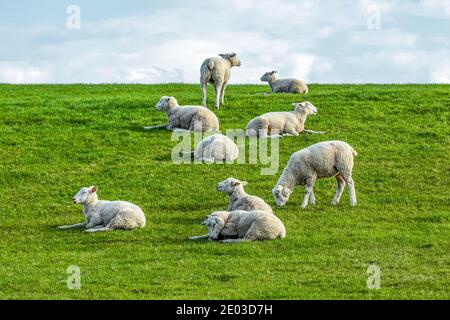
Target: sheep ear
{"type": "Point", "coordinates": [93, 189]}
{"type": "Point", "coordinates": [294, 104]}
{"type": "Point", "coordinates": [232, 55]}
{"type": "Point", "coordinates": [274, 71]}
{"type": "Point", "coordinates": [235, 183]}
{"type": "Point", "coordinates": [244, 183]}
{"type": "Point", "coordinates": [223, 55]}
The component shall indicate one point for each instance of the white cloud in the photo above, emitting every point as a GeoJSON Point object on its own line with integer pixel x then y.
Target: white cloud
{"type": "Point", "coordinates": [384, 38]}
{"type": "Point", "coordinates": [17, 72]}
{"type": "Point", "coordinates": [317, 41]}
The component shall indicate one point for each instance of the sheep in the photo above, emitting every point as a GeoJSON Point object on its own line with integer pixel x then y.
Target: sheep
{"type": "Point", "coordinates": [239, 199]}
{"type": "Point", "coordinates": [102, 215]}
{"type": "Point", "coordinates": [186, 118]}
{"type": "Point", "coordinates": [282, 123]}
{"type": "Point", "coordinates": [217, 71]}
{"type": "Point", "coordinates": [216, 148]}
{"type": "Point", "coordinates": [321, 160]}
{"type": "Point", "coordinates": [284, 85]}
{"type": "Point", "coordinates": [240, 225]}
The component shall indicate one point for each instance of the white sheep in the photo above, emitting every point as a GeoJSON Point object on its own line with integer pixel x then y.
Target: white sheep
{"type": "Point", "coordinates": [284, 85]}
{"type": "Point", "coordinates": [321, 160]}
{"type": "Point", "coordinates": [239, 199]}
{"type": "Point", "coordinates": [102, 215]}
{"type": "Point", "coordinates": [239, 225]}
{"type": "Point", "coordinates": [282, 123]}
{"type": "Point", "coordinates": [217, 71]}
{"type": "Point", "coordinates": [216, 148]}
{"type": "Point", "coordinates": [191, 118]}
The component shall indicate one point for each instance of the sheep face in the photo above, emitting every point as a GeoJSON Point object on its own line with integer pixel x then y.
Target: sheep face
{"type": "Point", "coordinates": [228, 185]}
{"type": "Point", "coordinates": [305, 107]}
{"type": "Point", "coordinates": [269, 76]}
{"type": "Point", "coordinates": [235, 62]}
{"type": "Point", "coordinates": [215, 223]}
{"type": "Point", "coordinates": [84, 195]}
{"type": "Point", "coordinates": [166, 103]}
{"type": "Point", "coordinates": [281, 195]}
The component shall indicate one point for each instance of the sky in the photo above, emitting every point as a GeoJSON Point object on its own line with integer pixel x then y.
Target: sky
{"type": "Point", "coordinates": [136, 41]}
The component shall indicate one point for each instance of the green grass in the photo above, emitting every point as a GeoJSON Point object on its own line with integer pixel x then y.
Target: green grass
{"type": "Point", "coordinates": [55, 139]}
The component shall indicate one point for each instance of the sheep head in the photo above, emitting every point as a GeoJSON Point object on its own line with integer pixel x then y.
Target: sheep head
{"type": "Point", "coordinates": [281, 194]}
{"type": "Point", "coordinates": [215, 223]}
{"type": "Point", "coordinates": [269, 76]}
{"type": "Point", "coordinates": [305, 107]}
{"type": "Point", "coordinates": [166, 103]}
{"type": "Point", "coordinates": [232, 57]}
{"type": "Point", "coordinates": [230, 184]}
{"type": "Point", "coordinates": [85, 195]}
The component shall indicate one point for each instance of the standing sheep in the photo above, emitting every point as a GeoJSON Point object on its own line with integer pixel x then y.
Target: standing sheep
{"type": "Point", "coordinates": [284, 85]}
{"type": "Point", "coordinates": [192, 118]}
{"type": "Point", "coordinates": [102, 215]}
{"type": "Point", "coordinates": [216, 148]}
{"type": "Point", "coordinates": [321, 160]}
{"type": "Point", "coordinates": [237, 226]}
{"type": "Point", "coordinates": [217, 71]}
{"type": "Point", "coordinates": [284, 122]}
{"type": "Point", "coordinates": [239, 199]}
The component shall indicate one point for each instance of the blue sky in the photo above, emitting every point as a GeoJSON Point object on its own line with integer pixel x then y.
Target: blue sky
{"type": "Point", "coordinates": [136, 41]}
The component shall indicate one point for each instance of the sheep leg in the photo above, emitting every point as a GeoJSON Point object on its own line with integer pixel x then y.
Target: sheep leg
{"type": "Point", "coordinates": [222, 93]}
{"type": "Point", "coordinates": [206, 236]}
{"type": "Point", "coordinates": [98, 229]}
{"type": "Point", "coordinates": [156, 127]}
{"type": "Point", "coordinates": [204, 91]}
{"type": "Point", "coordinates": [218, 89]}
{"type": "Point", "coordinates": [339, 189]}
{"type": "Point", "coordinates": [312, 197]}
{"type": "Point", "coordinates": [351, 190]}
{"type": "Point", "coordinates": [312, 131]}
{"type": "Point", "coordinates": [308, 192]}
{"type": "Point", "coordinates": [234, 240]}
{"type": "Point", "coordinates": [70, 226]}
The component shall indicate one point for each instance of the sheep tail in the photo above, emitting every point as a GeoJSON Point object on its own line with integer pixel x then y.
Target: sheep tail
{"type": "Point", "coordinates": [210, 64]}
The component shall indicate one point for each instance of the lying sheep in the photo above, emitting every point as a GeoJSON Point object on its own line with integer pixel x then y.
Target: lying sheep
{"type": "Point", "coordinates": [239, 225]}
{"type": "Point", "coordinates": [239, 199]}
{"type": "Point", "coordinates": [282, 123]}
{"type": "Point", "coordinates": [102, 215]}
{"type": "Point", "coordinates": [216, 148]}
{"type": "Point", "coordinates": [191, 118]}
{"type": "Point", "coordinates": [284, 85]}
{"type": "Point", "coordinates": [321, 160]}
{"type": "Point", "coordinates": [217, 71]}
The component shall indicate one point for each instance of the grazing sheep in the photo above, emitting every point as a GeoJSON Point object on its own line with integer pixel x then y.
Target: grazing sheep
{"type": "Point", "coordinates": [102, 215]}
{"type": "Point", "coordinates": [216, 148]}
{"type": "Point", "coordinates": [283, 123]}
{"type": "Point", "coordinates": [321, 160]}
{"type": "Point", "coordinates": [191, 118]}
{"type": "Point", "coordinates": [217, 71]}
{"type": "Point", "coordinates": [284, 85]}
{"type": "Point", "coordinates": [239, 199]}
{"type": "Point", "coordinates": [239, 225]}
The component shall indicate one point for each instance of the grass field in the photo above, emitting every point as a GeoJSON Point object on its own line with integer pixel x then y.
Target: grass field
{"type": "Point", "coordinates": [55, 139]}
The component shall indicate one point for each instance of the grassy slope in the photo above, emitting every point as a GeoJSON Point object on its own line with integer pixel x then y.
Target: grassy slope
{"type": "Point", "coordinates": [55, 139]}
